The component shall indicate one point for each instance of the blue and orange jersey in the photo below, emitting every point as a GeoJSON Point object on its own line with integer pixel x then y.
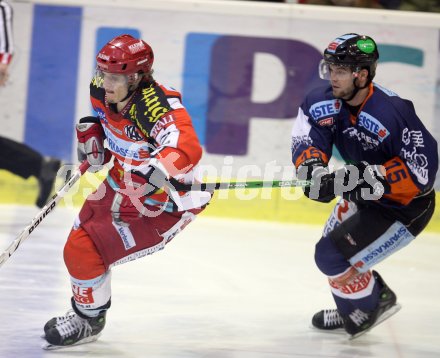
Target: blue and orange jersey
{"type": "Point", "coordinates": [154, 123]}
{"type": "Point", "coordinates": [386, 131]}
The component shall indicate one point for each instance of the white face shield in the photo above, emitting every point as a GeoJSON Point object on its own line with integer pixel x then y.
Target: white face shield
{"type": "Point", "coordinates": [118, 87]}
{"type": "Point", "coordinates": [339, 72]}
{"type": "Point", "coordinates": [114, 80]}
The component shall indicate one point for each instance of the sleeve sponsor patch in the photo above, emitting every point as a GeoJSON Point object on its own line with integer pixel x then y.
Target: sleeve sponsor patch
{"type": "Point", "coordinates": [325, 109]}
{"type": "Point", "coordinates": [373, 125]}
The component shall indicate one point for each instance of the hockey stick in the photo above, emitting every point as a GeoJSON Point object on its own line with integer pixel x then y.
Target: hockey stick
{"type": "Point", "coordinates": [238, 185]}
{"type": "Point", "coordinates": [46, 210]}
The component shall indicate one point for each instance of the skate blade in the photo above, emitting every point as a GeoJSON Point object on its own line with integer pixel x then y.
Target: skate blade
{"type": "Point", "coordinates": [392, 311]}
{"type": "Point", "coordinates": [50, 347]}
{"type": "Point", "coordinates": [336, 331]}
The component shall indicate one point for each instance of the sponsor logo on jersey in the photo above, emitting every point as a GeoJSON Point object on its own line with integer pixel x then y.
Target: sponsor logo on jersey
{"type": "Point", "coordinates": [101, 114]}
{"type": "Point", "coordinates": [417, 163]}
{"type": "Point", "coordinates": [373, 125]}
{"type": "Point", "coordinates": [154, 106]}
{"type": "Point", "coordinates": [173, 234]}
{"type": "Point", "coordinates": [186, 218]}
{"type": "Point", "coordinates": [383, 246]}
{"type": "Point", "coordinates": [127, 149]}
{"type": "Point", "coordinates": [342, 210]}
{"type": "Point", "coordinates": [326, 122]}
{"type": "Point", "coordinates": [137, 47]}
{"type": "Point", "coordinates": [133, 113]}
{"type": "Point", "coordinates": [415, 138]}
{"type": "Point", "coordinates": [126, 236]}
{"type": "Point", "coordinates": [420, 172]}
{"type": "Point", "coordinates": [84, 295]}
{"type": "Point", "coordinates": [325, 108]}
{"type": "Point", "coordinates": [331, 224]}
{"type": "Point", "coordinates": [97, 81]}
{"type": "Point", "coordinates": [161, 124]}
{"type": "Point", "coordinates": [366, 141]}
{"type": "Point", "coordinates": [360, 283]}
{"type": "Point", "coordinates": [132, 133]}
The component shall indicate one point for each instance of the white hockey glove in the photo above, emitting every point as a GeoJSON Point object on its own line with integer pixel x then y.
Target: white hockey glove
{"type": "Point", "coordinates": [91, 143]}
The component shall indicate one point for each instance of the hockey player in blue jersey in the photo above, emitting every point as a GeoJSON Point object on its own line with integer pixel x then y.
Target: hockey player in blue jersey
{"type": "Point", "coordinates": [385, 188]}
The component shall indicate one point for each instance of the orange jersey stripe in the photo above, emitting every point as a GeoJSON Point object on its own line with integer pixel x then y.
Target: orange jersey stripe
{"type": "Point", "coordinates": [311, 152]}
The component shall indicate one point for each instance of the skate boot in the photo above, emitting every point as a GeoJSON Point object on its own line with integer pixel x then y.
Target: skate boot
{"type": "Point", "coordinates": [328, 320]}
{"type": "Point", "coordinates": [46, 180]}
{"type": "Point", "coordinates": [359, 322]}
{"type": "Point", "coordinates": [58, 320]}
{"type": "Point", "coordinates": [72, 329]}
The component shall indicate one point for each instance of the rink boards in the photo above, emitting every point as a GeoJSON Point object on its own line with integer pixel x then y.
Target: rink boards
{"type": "Point", "coordinates": [241, 84]}
{"type": "Point", "coordinates": [283, 205]}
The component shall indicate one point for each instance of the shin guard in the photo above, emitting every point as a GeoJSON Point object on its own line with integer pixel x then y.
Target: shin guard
{"type": "Point", "coordinates": [92, 296]}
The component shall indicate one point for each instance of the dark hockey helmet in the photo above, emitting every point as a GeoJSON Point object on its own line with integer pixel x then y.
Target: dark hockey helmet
{"type": "Point", "coordinates": [125, 55]}
{"type": "Point", "coordinates": [353, 50]}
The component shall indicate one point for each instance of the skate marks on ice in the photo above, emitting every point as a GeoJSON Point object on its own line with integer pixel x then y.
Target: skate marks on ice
{"type": "Point", "coordinates": [220, 289]}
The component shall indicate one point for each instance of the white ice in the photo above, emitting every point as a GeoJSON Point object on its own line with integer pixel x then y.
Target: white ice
{"type": "Point", "coordinates": [221, 289]}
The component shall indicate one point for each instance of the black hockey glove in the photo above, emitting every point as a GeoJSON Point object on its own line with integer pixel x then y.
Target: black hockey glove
{"type": "Point", "coordinates": [368, 181]}
{"type": "Point", "coordinates": [322, 189]}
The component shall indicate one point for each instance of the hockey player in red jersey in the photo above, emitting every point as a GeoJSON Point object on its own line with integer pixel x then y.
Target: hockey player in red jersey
{"type": "Point", "coordinates": [134, 212]}
{"type": "Point", "coordinates": [386, 187]}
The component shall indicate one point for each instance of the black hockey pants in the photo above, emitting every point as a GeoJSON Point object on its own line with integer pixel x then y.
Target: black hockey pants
{"type": "Point", "coordinates": [19, 159]}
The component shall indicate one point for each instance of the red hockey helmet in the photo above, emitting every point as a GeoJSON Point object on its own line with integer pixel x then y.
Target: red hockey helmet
{"type": "Point", "coordinates": [125, 55]}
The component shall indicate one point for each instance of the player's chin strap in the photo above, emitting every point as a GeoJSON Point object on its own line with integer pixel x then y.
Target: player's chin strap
{"type": "Point", "coordinates": [131, 89]}
{"type": "Point", "coordinates": [357, 88]}
{"type": "Point", "coordinates": [129, 93]}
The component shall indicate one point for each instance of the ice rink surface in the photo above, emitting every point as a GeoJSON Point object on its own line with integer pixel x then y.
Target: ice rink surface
{"type": "Point", "coordinates": [221, 289]}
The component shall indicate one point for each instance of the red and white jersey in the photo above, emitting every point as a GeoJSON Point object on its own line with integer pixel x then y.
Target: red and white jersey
{"type": "Point", "coordinates": [153, 123]}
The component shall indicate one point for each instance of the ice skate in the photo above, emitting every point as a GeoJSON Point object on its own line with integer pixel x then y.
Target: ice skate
{"type": "Point", "coordinates": [359, 322]}
{"type": "Point", "coordinates": [328, 320]}
{"type": "Point", "coordinates": [58, 320]}
{"type": "Point", "coordinates": [71, 330]}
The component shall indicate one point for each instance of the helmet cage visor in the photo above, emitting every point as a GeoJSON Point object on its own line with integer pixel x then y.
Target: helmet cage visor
{"type": "Point", "coordinates": [114, 79]}
{"type": "Point", "coordinates": [339, 71]}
